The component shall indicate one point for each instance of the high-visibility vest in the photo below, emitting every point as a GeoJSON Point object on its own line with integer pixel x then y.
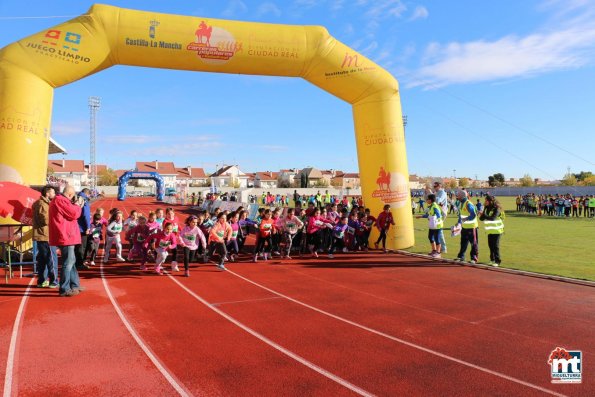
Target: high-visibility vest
{"type": "Point", "coordinates": [465, 213]}
{"type": "Point", "coordinates": [591, 202]}
{"type": "Point", "coordinates": [496, 226]}
{"type": "Point", "coordinates": [439, 220]}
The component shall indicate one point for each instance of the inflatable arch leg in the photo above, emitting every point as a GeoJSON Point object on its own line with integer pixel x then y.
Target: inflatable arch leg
{"type": "Point", "coordinates": [107, 36]}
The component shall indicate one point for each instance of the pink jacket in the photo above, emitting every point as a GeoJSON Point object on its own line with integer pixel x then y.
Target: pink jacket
{"type": "Point", "coordinates": [315, 223]}
{"type": "Point", "coordinates": [63, 225]}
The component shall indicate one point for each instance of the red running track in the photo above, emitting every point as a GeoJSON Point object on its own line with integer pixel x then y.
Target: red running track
{"type": "Point", "coordinates": [361, 324]}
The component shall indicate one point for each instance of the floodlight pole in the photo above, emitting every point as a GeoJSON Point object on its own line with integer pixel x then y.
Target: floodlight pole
{"type": "Point", "coordinates": [94, 104]}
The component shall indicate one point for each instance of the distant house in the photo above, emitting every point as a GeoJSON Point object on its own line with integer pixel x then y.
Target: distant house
{"type": "Point", "coordinates": [72, 171]}
{"type": "Point", "coordinates": [415, 182]}
{"type": "Point", "coordinates": [167, 170]}
{"type": "Point", "coordinates": [229, 176]}
{"type": "Point", "coordinates": [288, 177]}
{"type": "Point", "coordinates": [312, 175]}
{"type": "Point", "coordinates": [266, 179]}
{"type": "Point", "coordinates": [346, 180]}
{"type": "Point", "coordinates": [194, 176]}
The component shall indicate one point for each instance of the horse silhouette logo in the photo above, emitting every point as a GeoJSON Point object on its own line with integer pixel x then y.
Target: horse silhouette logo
{"type": "Point", "coordinates": [203, 32]}
{"type": "Point", "coordinates": [383, 180]}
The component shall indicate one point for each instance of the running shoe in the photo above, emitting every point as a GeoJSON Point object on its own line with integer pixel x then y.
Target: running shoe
{"type": "Point", "coordinates": [174, 266]}
{"type": "Point", "coordinates": [158, 270]}
{"type": "Point", "coordinates": [186, 273]}
{"type": "Point", "coordinates": [54, 285]}
{"type": "Point", "coordinates": [221, 266]}
{"type": "Point", "coordinates": [120, 259]}
{"type": "Point", "coordinates": [45, 284]}
{"type": "Point", "coordinates": [287, 257]}
{"type": "Point", "coordinates": [92, 263]}
{"type": "Point", "coordinates": [255, 259]}
{"type": "Point", "coordinates": [143, 267]}
{"type": "Point", "coordinates": [436, 255]}
{"type": "Point", "coordinates": [330, 256]}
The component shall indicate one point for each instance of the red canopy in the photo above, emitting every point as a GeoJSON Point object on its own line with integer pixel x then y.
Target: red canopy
{"type": "Point", "coordinates": [16, 202]}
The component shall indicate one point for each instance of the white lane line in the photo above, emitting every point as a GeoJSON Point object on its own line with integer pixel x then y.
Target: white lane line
{"type": "Point", "coordinates": [404, 342]}
{"type": "Point", "coordinates": [180, 388]}
{"type": "Point", "coordinates": [13, 342]}
{"type": "Point", "coordinates": [276, 346]}
{"type": "Point", "coordinates": [246, 301]}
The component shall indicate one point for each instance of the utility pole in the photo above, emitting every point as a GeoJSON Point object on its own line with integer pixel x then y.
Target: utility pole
{"type": "Point", "coordinates": [94, 104]}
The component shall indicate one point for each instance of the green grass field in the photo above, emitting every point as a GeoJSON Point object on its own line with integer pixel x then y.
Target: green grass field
{"type": "Point", "coordinates": [550, 245]}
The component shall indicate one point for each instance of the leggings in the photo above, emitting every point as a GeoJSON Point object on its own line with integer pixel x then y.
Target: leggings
{"type": "Point", "coordinates": [232, 246]}
{"type": "Point", "coordinates": [220, 248]}
{"type": "Point", "coordinates": [337, 242]}
{"type": "Point", "coordinates": [314, 240]}
{"type": "Point", "coordinates": [382, 237]}
{"type": "Point", "coordinates": [138, 249]}
{"type": "Point", "coordinates": [160, 258]}
{"type": "Point", "coordinates": [288, 241]}
{"type": "Point", "coordinates": [188, 256]}
{"type": "Point", "coordinates": [260, 245]}
{"type": "Point", "coordinates": [108, 246]}
{"type": "Point", "coordinates": [174, 254]}
{"type": "Point", "coordinates": [91, 248]}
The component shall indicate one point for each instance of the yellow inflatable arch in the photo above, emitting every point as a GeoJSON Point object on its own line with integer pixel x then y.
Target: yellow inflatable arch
{"type": "Point", "coordinates": [31, 68]}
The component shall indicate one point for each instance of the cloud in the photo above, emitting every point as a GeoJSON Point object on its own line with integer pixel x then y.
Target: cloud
{"type": "Point", "coordinates": [337, 5]}
{"type": "Point", "coordinates": [234, 8]}
{"type": "Point", "coordinates": [507, 58]}
{"type": "Point", "coordinates": [420, 12]}
{"type": "Point", "coordinates": [70, 128]}
{"type": "Point", "coordinates": [268, 8]}
{"type": "Point", "coordinates": [382, 9]}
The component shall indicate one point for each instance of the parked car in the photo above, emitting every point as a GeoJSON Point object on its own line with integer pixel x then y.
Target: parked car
{"type": "Point", "coordinates": [148, 194]}
{"type": "Point", "coordinates": [170, 191]}
{"type": "Point", "coordinates": [135, 193]}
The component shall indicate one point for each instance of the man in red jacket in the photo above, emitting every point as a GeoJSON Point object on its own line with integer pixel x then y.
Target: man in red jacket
{"type": "Point", "coordinates": [65, 234]}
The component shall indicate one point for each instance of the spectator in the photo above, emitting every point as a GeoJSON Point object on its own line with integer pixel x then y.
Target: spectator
{"type": "Point", "coordinates": [65, 209]}
{"type": "Point", "coordinates": [47, 266]}
{"type": "Point", "coordinates": [442, 201]}
{"type": "Point", "coordinates": [493, 217]}
{"type": "Point", "coordinates": [84, 222]}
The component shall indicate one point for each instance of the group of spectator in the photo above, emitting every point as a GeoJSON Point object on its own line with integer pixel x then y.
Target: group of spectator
{"type": "Point", "coordinates": [559, 205]}
{"type": "Point", "coordinates": [61, 221]}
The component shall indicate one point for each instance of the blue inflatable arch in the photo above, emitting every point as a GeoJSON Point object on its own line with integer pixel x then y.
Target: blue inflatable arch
{"type": "Point", "coordinates": [123, 181]}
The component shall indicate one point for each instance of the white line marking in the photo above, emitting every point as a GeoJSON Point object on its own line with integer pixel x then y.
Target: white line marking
{"type": "Point", "coordinates": [246, 301]}
{"type": "Point", "coordinates": [13, 342]}
{"type": "Point", "coordinates": [276, 346]}
{"type": "Point", "coordinates": [177, 386]}
{"type": "Point", "coordinates": [394, 338]}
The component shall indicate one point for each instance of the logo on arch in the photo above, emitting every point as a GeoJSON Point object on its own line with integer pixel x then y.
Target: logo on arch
{"type": "Point", "coordinates": [392, 188]}
{"type": "Point", "coordinates": [214, 45]}
{"type": "Point", "coordinates": [62, 45]}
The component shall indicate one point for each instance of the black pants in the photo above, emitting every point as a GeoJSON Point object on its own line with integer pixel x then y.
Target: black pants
{"type": "Point", "coordinates": [469, 236]}
{"type": "Point", "coordinates": [79, 250]}
{"type": "Point", "coordinates": [220, 248]}
{"type": "Point", "coordinates": [494, 244]}
{"type": "Point", "coordinates": [336, 243]}
{"type": "Point", "coordinates": [174, 254]}
{"type": "Point", "coordinates": [383, 238]}
{"type": "Point", "coordinates": [91, 249]}
{"type": "Point", "coordinates": [188, 257]}
{"type": "Point", "coordinates": [260, 245]}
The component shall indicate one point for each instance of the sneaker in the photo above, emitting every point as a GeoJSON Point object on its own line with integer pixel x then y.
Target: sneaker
{"type": "Point", "coordinates": [232, 258]}
{"type": "Point", "coordinates": [120, 259]}
{"type": "Point", "coordinates": [92, 263]}
{"type": "Point", "coordinates": [255, 259]}
{"type": "Point", "coordinates": [459, 259]}
{"type": "Point", "coordinates": [221, 266]}
{"type": "Point", "coordinates": [345, 250]}
{"type": "Point", "coordinates": [266, 256]}
{"type": "Point", "coordinates": [186, 273]}
{"type": "Point", "coordinates": [174, 266]}
{"type": "Point", "coordinates": [287, 257]}
{"type": "Point", "coordinates": [496, 264]}
{"type": "Point", "coordinates": [105, 259]}
{"type": "Point", "coordinates": [375, 245]}
{"type": "Point", "coordinates": [45, 284]}
{"type": "Point", "coordinates": [54, 285]}
{"type": "Point", "coordinates": [315, 254]}
{"type": "Point", "coordinates": [277, 253]}
{"type": "Point", "coordinates": [158, 270]}
{"type": "Point", "coordinates": [330, 256]}
{"type": "Point", "coordinates": [431, 253]}
{"type": "Point", "coordinates": [473, 261]}
{"type": "Point", "coordinates": [443, 251]}
{"type": "Point", "coordinates": [436, 255]}
{"type": "Point", "coordinates": [143, 267]}
{"type": "Point", "coordinates": [72, 292]}
{"type": "Point", "coordinates": [384, 250]}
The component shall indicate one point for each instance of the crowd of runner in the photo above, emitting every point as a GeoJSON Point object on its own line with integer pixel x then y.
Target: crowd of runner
{"type": "Point", "coordinates": [557, 205]}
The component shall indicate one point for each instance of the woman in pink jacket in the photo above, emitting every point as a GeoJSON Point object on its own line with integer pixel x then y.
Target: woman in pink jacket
{"type": "Point", "coordinates": [65, 234]}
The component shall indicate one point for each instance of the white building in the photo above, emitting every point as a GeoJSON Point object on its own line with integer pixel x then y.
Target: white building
{"type": "Point", "coordinates": [229, 176]}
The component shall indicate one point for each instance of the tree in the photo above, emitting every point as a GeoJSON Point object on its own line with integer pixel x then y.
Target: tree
{"type": "Point", "coordinates": [50, 171]}
{"type": "Point", "coordinates": [464, 182]}
{"type": "Point", "coordinates": [475, 185]}
{"type": "Point", "coordinates": [589, 181]}
{"type": "Point", "coordinates": [451, 183]}
{"type": "Point", "coordinates": [107, 178]}
{"type": "Point", "coordinates": [526, 180]}
{"type": "Point", "coordinates": [569, 180]}
{"type": "Point", "coordinates": [496, 180]}
{"type": "Point", "coordinates": [284, 183]}
{"type": "Point", "coordinates": [583, 175]}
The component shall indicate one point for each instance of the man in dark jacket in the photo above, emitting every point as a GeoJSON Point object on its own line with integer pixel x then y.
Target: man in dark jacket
{"type": "Point", "coordinates": [65, 234]}
{"type": "Point", "coordinates": [84, 222]}
{"type": "Point", "coordinates": [41, 235]}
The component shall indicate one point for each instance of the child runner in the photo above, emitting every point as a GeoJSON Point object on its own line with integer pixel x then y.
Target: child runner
{"type": "Point", "coordinates": [315, 225]}
{"type": "Point", "coordinates": [338, 236]}
{"type": "Point", "coordinates": [159, 217]}
{"type": "Point", "coordinates": [232, 243]}
{"type": "Point", "coordinates": [129, 224]}
{"type": "Point", "coordinates": [275, 235]}
{"type": "Point", "coordinates": [265, 230]}
{"type": "Point", "coordinates": [244, 224]}
{"type": "Point", "coordinates": [164, 241]}
{"type": "Point", "coordinates": [289, 224]}
{"type": "Point", "coordinates": [114, 228]}
{"type": "Point", "coordinates": [435, 223]}
{"type": "Point", "coordinates": [139, 236]}
{"type": "Point", "coordinates": [188, 239]}
{"type": "Point", "coordinates": [94, 238]}
{"type": "Point", "coordinates": [219, 234]}
{"type": "Point", "coordinates": [383, 222]}
{"type": "Point", "coordinates": [172, 219]}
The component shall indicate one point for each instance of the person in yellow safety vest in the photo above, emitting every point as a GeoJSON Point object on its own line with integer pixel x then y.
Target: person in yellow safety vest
{"type": "Point", "coordinates": [468, 221]}
{"type": "Point", "coordinates": [327, 197]}
{"type": "Point", "coordinates": [435, 223]}
{"type": "Point", "coordinates": [592, 206]}
{"type": "Point", "coordinates": [493, 220]}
